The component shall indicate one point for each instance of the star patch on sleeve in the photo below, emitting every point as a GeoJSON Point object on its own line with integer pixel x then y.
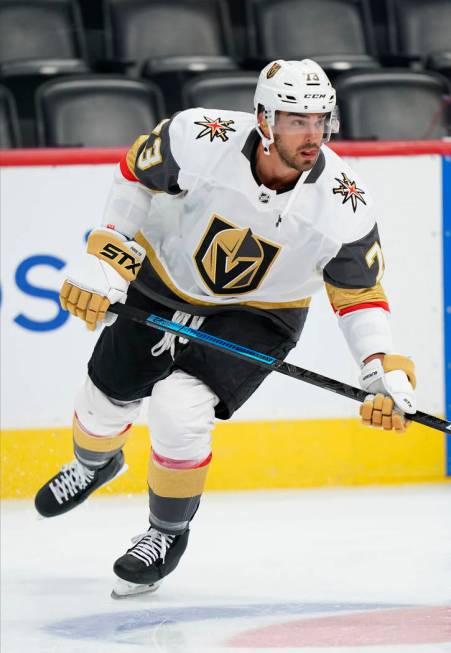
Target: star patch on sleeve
{"type": "Point", "coordinates": [348, 189]}
{"type": "Point", "coordinates": [215, 128]}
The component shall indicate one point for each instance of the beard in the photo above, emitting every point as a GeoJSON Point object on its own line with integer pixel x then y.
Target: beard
{"type": "Point", "coordinates": [294, 160]}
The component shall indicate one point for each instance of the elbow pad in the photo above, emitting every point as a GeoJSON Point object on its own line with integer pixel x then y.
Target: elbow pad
{"type": "Point", "coordinates": [128, 205]}
{"type": "Point", "coordinates": [367, 331]}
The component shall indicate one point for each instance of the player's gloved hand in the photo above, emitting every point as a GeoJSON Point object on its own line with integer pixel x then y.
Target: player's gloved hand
{"type": "Point", "coordinates": [391, 384]}
{"type": "Point", "coordinates": [107, 268]}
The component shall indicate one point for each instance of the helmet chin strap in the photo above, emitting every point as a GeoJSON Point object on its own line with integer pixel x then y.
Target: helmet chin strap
{"type": "Point", "coordinates": [266, 140]}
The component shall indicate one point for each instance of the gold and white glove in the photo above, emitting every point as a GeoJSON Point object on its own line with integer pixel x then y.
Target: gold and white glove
{"type": "Point", "coordinates": [107, 268]}
{"type": "Point", "coordinates": [391, 384]}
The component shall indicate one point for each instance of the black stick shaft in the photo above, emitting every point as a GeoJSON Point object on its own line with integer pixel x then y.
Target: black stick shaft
{"type": "Point", "coordinates": [263, 360]}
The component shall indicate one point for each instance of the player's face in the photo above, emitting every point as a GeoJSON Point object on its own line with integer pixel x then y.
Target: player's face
{"type": "Point", "coordinates": [298, 137]}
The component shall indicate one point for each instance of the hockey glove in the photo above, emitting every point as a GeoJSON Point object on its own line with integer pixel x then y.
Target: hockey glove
{"type": "Point", "coordinates": [391, 384]}
{"type": "Point", "coordinates": [108, 267]}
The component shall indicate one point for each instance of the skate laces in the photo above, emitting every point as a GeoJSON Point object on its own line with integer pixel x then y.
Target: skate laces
{"type": "Point", "coordinates": [71, 479]}
{"type": "Point", "coordinates": [150, 546]}
{"type": "Point", "coordinates": [168, 340]}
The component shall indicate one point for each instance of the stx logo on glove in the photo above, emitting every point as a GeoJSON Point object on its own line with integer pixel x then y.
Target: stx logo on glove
{"type": "Point", "coordinates": [113, 252]}
{"type": "Point", "coordinates": [124, 256]}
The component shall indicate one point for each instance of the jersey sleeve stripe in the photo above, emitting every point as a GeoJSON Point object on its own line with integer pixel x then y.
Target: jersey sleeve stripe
{"type": "Point", "coordinates": [359, 307]}
{"type": "Point", "coordinates": [343, 299]}
{"type": "Point", "coordinates": [125, 170]}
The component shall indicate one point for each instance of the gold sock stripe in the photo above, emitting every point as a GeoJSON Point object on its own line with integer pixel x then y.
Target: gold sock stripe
{"type": "Point", "coordinates": [393, 362]}
{"type": "Point", "coordinates": [97, 443]}
{"type": "Point", "coordinates": [176, 483]}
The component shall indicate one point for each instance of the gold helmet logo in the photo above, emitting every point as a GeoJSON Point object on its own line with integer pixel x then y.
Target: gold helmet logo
{"type": "Point", "coordinates": [273, 70]}
{"type": "Point", "coordinates": [233, 260]}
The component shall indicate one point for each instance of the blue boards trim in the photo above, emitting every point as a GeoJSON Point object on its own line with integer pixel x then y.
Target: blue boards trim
{"type": "Point", "coordinates": [446, 185]}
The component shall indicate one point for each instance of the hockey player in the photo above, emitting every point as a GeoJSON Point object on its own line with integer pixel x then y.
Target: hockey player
{"type": "Point", "coordinates": [226, 221]}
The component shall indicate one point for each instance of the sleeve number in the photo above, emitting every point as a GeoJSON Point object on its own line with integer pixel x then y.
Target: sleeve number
{"type": "Point", "coordinates": [375, 254]}
{"type": "Point", "coordinates": [151, 155]}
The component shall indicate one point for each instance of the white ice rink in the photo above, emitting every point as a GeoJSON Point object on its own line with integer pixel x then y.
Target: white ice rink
{"type": "Point", "coordinates": [347, 570]}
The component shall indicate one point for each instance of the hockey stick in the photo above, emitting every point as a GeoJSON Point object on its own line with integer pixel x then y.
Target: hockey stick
{"type": "Point", "coordinates": [263, 360]}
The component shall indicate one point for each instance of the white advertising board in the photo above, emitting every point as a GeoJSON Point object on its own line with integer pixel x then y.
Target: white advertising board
{"type": "Point", "coordinates": [46, 212]}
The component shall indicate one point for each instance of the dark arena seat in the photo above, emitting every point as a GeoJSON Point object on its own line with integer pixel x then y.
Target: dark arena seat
{"type": "Point", "coordinates": [41, 37]}
{"type": "Point", "coordinates": [157, 34]}
{"type": "Point", "coordinates": [338, 34]}
{"type": "Point", "coordinates": [233, 91]}
{"type": "Point", "coordinates": [422, 29]}
{"type": "Point", "coordinates": [96, 111]}
{"type": "Point", "coordinates": [9, 123]}
{"type": "Point", "coordinates": [393, 105]}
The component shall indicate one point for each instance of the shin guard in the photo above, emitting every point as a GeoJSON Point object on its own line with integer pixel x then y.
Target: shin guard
{"type": "Point", "coordinates": [175, 489]}
{"type": "Point", "coordinates": [94, 451]}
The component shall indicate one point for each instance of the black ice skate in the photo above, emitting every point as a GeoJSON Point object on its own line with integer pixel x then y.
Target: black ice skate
{"type": "Point", "coordinates": [73, 484]}
{"type": "Point", "coordinates": [152, 557]}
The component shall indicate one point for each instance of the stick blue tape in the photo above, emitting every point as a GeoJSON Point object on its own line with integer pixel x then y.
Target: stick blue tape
{"type": "Point", "coordinates": [164, 324]}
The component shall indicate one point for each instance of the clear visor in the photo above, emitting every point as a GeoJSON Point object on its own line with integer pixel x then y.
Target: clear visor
{"type": "Point", "coordinates": [316, 125]}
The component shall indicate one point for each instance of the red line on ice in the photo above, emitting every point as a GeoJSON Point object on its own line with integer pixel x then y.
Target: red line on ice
{"type": "Point", "coordinates": [425, 625]}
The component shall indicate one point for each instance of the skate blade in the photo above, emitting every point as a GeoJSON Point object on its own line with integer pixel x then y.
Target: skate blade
{"type": "Point", "coordinates": [124, 588]}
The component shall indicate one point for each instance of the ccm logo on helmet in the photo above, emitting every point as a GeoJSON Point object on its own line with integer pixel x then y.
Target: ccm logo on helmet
{"type": "Point", "coordinates": [314, 96]}
{"type": "Point", "coordinates": [112, 251]}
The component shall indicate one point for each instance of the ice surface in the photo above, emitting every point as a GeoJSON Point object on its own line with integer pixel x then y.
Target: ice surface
{"type": "Point", "coordinates": [365, 570]}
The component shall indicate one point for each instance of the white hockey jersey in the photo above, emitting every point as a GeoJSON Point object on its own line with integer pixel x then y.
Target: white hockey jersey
{"type": "Point", "coordinates": [217, 236]}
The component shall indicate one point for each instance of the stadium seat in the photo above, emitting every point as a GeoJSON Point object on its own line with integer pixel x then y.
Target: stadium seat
{"type": "Point", "coordinates": [421, 29]}
{"type": "Point", "coordinates": [338, 34]}
{"type": "Point", "coordinates": [154, 34]}
{"type": "Point", "coordinates": [233, 91]}
{"type": "Point", "coordinates": [41, 37]}
{"type": "Point", "coordinates": [392, 105]}
{"type": "Point", "coordinates": [96, 111]}
{"type": "Point", "coordinates": [9, 123]}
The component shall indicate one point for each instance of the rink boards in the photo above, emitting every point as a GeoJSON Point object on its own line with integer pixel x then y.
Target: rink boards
{"type": "Point", "coordinates": [288, 434]}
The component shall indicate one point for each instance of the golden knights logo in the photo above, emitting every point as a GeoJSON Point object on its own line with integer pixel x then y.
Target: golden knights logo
{"type": "Point", "coordinates": [232, 260]}
{"type": "Point", "coordinates": [216, 128]}
{"type": "Point", "coordinates": [348, 189]}
{"type": "Point", "coordinates": [273, 70]}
